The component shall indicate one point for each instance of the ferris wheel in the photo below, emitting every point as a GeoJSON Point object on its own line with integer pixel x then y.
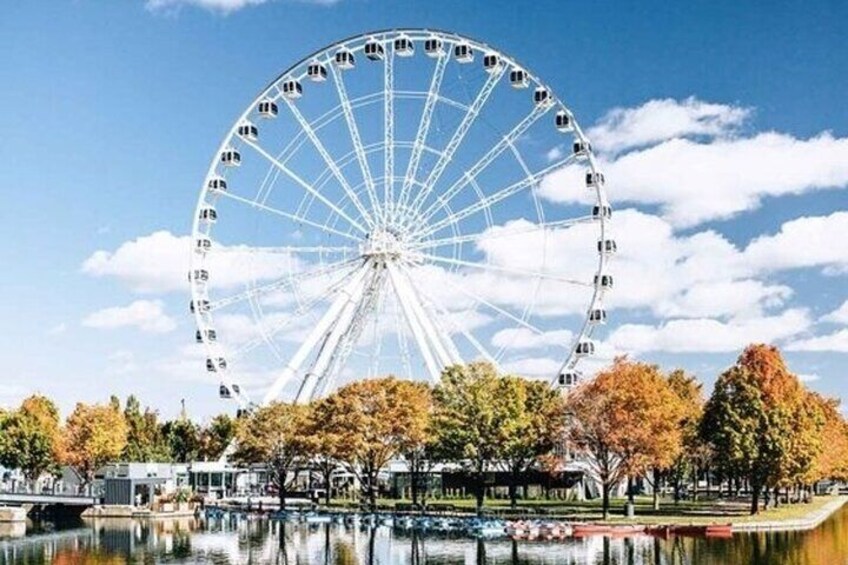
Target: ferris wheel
{"type": "Point", "coordinates": [389, 204]}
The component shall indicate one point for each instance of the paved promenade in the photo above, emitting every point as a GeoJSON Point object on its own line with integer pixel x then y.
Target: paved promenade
{"type": "Point", "coordinates": [812, 520]}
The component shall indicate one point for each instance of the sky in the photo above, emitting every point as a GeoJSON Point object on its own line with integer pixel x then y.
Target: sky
{"type": "Point", "coordinates": [720, 126]}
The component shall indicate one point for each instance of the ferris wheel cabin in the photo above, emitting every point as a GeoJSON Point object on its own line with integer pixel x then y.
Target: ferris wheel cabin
{"type": "Point", "coordinates": [604, 281]}
{"type": "Point", "coordinates": [247, 130]}
{"type": "Point", "coordinates": [569, 378]}
{"type": "Point", "coordinates": [491, 62]}
{"type": "Point", "coordinates": [206, 335]}
{"type": "Point", "coordinates": [594, 180]}
{"type": "Point", "coordinates": [404, 47]}
{"type": "Point", "coordinates": [581, 148]}
{"type": "Point", "coordinates": [267, 109]}
{"type": "Point", "coordinates": [463, 53]}
{"type": "Point", "coordinates": [344, 59]}
{"type": "Point", "coordinates": [230, 157]}
{"type": "Point", "coordinates": [585, 348]}
{"type": "Point", "coordinates": [202, 245]}
{"type": "Point", "coordinates": [564, 121]}
{"type": "Point", "coordinates": [216, 364]}
{"type": "Point", "coordinates": [433, 47]}
{"type": "Point", "coordinates": [603, 211]}
{"type": "Point", "coordinates": [518, 78]}
{"type": "Point", "coordinates": [316, 72]}
{"type": "Point", "coordinates": [201, 306]}
{"type": "Point", "coordinates": [374, 50]}
{"type": "Point", "coordinates": [598, 316]}
{"type": "Point", "coordinates": [217, 184]}
{"type": "Point", "coordinates": [607, 246]}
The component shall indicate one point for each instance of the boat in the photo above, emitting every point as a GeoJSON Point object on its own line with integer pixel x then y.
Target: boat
{"type": "Point", "coordinates": [585, 530]}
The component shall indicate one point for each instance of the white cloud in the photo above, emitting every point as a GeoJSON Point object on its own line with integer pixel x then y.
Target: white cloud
{"type": "Point", "coordinates": [555, 153]}
{"type": "Point", "coordinates": [58, 329]}
{"type": "Point", "coordinates": [523, 338]}
{"type": "Point", "coordinates": [121, 362]}
{"type": "Point", "coordinates": [709, 335]}
{"type": "Point", "coordinates": [837, 341]}
{"type": "Point", "coordinates": [660, 120]}
{"type": "Point", "coordinates": [838, 316]}
{"type": "Point", "coordinates": [804, 242]}
{"type": "Point", "coordinates": [146, 315]}
{"type": "Point", "coordinates": [699, 180]}
{"type": "Point", "coordinates": [532, 366]}
{"type": "Point", "coordinates": [219, 6]}
{"type": "Point", "coordinates": [159, 262]}
{"type": "Point", "coordinates": [808, 377]}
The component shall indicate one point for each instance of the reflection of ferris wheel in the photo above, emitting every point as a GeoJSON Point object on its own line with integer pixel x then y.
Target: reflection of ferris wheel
{"type": "Point", "coordinates": [381, 208]}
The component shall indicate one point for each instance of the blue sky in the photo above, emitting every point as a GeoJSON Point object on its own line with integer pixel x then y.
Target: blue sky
{"type": "Point", "coordinates": [731, 126]}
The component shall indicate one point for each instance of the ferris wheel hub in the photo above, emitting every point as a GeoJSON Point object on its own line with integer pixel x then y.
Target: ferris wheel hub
{"type": "Point", "coordinates": [383, 244]}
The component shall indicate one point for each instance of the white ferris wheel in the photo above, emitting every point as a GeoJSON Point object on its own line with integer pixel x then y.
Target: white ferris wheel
{"type": "Point", "coordinates": [384, 206]}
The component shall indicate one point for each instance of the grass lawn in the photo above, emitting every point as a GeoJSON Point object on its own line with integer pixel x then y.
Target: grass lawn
{"type": "Point", "coordinates": [684, 512]}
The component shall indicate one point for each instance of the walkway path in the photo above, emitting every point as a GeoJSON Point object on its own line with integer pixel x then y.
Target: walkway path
{"type": "Point", "coordinates": [810, 521]}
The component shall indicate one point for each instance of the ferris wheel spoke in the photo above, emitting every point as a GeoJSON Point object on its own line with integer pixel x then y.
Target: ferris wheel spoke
{"type": "Point", "coordinates": [503, 144]}
{"type": "Point", "coordinates": [286, 249]}
{"type": "Point", "coordinates": [502, 311]}
{"type": "Point", "coordinates": [303, 308]}
{"type": "Point", "coordinates": [388, 129]}
{"type": "Point", "coordinates": [460, 328]}
{"type": "Point", "coordinates": [423, 126]}
{"type": "Point", "coordinates": [278, 285]}
{"type": "Point", "coordinates": [458, 136]}
{"type": "Point", "coordinates": [403, 343]}
{"type": "Point", "coordinates": [494, 198]}
{"type": "Point", "coordinates": [348, 293]}
{"type": "Point", "coordinates": [294, 217]}
{"type": "Point", "coordinates": [500, 269]}
{"type": "Point", "coordinates": [502, 232]}
{"type": "Point", "coordinates": [353, 129]}
{"type": "Point", "coordinates": [414, 323]}
{"type": "Point", "coordinates": [332, 166]}
{"type": "Point", "coordinates": [308, 187]}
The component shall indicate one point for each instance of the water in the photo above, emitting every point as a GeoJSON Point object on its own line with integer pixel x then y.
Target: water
{"type": "Point", "coordinates": [239, 540]}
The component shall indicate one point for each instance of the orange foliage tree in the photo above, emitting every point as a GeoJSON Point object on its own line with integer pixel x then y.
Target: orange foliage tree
{"type": "Point", "coordinates": [93, 436]}
{"type": "Point", "coordinates": [625, 421]}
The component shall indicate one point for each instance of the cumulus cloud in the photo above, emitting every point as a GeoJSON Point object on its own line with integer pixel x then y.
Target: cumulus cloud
{"type": "Point", "coordinates": [836, 341]}
{"type": "Point", "coordinates": [838, 316]}
{"type": "Point", "coordinates": [145, 315]}
{"type": "Point", "coordinates": [659, 120]}
{"type": "Point", "coordinates": [817, 241]}
{"type": "Point", "coordinates": [159, 262]}
{"type": "Point", "coordinates": [523, 338]}
{"type": "Point", "coordinates": [706, 335]}
{"type": "Point", "coordinates": [687, 159]}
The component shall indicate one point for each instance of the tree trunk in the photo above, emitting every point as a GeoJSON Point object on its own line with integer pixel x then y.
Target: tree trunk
{"type": "Point", "coordinates": [327, 471]}
{"type": "Point", "coordinates": [513, 487]}
{"type": "Point", "coordinates": [630, 498]}
{"type": "Point", "coordinates": [755, 498]}
{"type": "Point", "coordinates": [281, 490]}
{"type": "Point", "coordinates": [656, 489]}
{"type": "Point", "coordinates": [480, 491]}
{"type": "Point", "coordinates": [605, 488]}
{"type": "Point", "coordinates": [372, 491]}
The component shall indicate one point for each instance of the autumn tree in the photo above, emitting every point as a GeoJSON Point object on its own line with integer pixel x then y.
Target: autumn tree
{"type": "Point", "coordinates": [625, 421]}
{"type": "Point", "coordinates": [760, 422]}
{"type": "Point", "coordinates": [216, 436]}
{"type": "Point", "coordinates": [474, 411]}
{"type": "Point", "coordinates": [145, 438]}
{"type": "Point", "coordinates": [93, 436]}
{"type": "Point", "coordinates": [29, 437]}
{"type": "Point", "coordinates": [324, 445]}
{"type": "Point", "coordinates": [832, 460]}
{"type": "Point", "coordinates": [375, 420]}
{"type": "Point", "coordinates": [693, 452]}
{"type": "Point", "coordinates": [533, 430]}
{"type": "Point", "coordinates": [274, 436]}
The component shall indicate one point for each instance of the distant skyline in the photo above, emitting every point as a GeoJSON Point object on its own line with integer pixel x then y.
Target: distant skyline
{"type": "Point", "coordinates": [722, 129]}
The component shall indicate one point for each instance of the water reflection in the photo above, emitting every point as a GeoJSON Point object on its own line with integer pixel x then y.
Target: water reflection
{"type": "Point", "coordinates": [241, 539]}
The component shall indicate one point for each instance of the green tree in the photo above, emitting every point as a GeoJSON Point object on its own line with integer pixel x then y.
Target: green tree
{"type": "Point", "coordinates": [216, 436]}
{"type": "Point", "coordinates": [473, 414]}
{"type": "Point", "coordinates": [274, 436]}
{"type": "Point", "coordinates": [183, 437]}
{"type": "Point", "coordinates": [758, 420]}
{"type": "Point", "coordinates": [534, 430]}
{"type": "Point", "coordinates": [29, 437]}
{"type": "Point", "coordinates": [694, 452]}
{"type": "Point", "coordinates": [145, 439]}
{"type": "Point", "coordinates": [93, 436]}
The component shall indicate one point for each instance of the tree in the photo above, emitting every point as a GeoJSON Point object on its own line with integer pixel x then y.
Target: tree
{"type": "Point", "coordinates": [29, 437]}
{"type": "Point", "coordinates": [324, 446]}
{"type": "Point", "coordinates": [533, 431]}
{"type": "Point", "coordinates": [472, 414]}
{"type": "Point", "coordinates": [93, 436]}
{"type": "Point", "coordinates": [145, 439]}
{"type": "Point", "coordinates": [183, 438]}
{"type": "Point", "coordinates": [693, 451]}
{"type": "Point", "coordinates": [274, 436]}
{"type": "Point", "coordinates": [625, 421]}
{"type": "Point", "coordinates": [215, 437]}
{"type": "Point", "coordinates": [375, 420]}
{"type": "Point", "coordinates": [759, 421]}
{"type": "Point", "coordinates": [832, 460]}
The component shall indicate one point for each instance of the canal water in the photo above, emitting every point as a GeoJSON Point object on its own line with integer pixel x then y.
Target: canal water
{"type": "Point", "coordinates": [242, 540]}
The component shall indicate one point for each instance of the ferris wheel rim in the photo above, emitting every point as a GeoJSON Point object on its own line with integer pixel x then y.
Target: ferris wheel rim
{"type": "Point", "coordinates": [386, 36]}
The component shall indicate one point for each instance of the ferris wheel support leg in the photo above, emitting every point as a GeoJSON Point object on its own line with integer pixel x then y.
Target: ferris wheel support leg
{"type": "Point", "coordinates": [445, 348]}
{"type": "Point", "coordinates": [332, 314]}
{"type": "Point", "coordinates": [434, 356]}
{"type": "Point", "coordinates": [330, 347]}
